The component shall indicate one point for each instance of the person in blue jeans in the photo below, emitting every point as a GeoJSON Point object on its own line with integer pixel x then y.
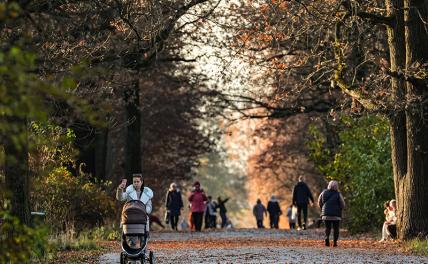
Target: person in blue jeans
{"type": "Point", "coordinates": [302, 196]}
{"type": "Point", "coordinates": [331, 203]}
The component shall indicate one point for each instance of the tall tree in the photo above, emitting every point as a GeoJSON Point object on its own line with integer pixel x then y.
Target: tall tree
{"type": "Point", "coordinates": [377, 70]}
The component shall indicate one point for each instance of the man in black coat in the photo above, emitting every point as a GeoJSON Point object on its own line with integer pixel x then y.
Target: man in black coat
{"type": "Point", "coordinates": [274, 212]}
{"type": "Point", "coordinates": [301, 198]}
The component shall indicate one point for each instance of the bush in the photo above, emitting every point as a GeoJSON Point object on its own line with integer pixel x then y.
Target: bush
{"type": "Point", "coordinates": [20, 243]}
{"type": "Point", "coordinates": [72, 202]}
{"type": "Point", "coordinates": [362, 165]}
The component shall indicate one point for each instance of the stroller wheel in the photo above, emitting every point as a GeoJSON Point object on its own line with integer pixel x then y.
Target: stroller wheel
{"type": "Point", "coordinates": [122, 258]}
{"type": "Point", "coordinates": [151, 258]}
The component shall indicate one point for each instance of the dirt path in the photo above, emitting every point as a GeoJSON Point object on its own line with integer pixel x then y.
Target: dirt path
{"type": "Point", "coordinates": [267, 246]}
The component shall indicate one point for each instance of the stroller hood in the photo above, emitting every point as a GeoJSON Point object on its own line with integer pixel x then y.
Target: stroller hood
{"type": "Point", "coordinates": [134, 212]}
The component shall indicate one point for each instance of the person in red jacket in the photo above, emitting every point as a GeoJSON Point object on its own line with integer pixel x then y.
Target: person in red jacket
{"type": "Point", "coordinates": [197, 200]}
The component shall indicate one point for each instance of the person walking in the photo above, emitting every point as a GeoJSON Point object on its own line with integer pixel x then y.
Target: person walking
{"type": "Point", "coordinates": [135, 191]}
{"type": "Point", "coordinates": [331, 203]}
{"type": "Point", "coordinates": [197, 200]}
{"type": "Point", "coordinates": [222, 208]}
{"type": "Point", "coordinates": [292, 215]}
{"type": "Point", "coordinates": [274, 212]}
{"type": "Point", "coordinates": [211, 214]}
{"type": "Point", "coordinates": [301, 198]}
{"type": "Point", "coordinates": [259, 211]}
{"type": "Point", "coordinates": [173, 204]}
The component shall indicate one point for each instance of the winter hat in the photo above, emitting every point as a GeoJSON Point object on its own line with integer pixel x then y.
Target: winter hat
{"type": "Point", "coordinates": [196, 183]}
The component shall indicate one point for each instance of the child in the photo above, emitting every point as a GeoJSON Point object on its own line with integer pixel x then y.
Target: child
{"type": "Point", "coordinates": [292, 215]}
{"type": "Point", "coordinates": [388, 228]}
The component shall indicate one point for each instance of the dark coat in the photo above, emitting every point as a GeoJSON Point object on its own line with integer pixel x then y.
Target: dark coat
{"type": "Point", "coordinates": [273, 208]}
{"type": "Point", "coordinates": [302, 194]}
{"type": "Point", "coordinates": [330, 203]}
{"type": "Point", "coordinates": [221, 205]}
{"type": "Point", "coordinates": [259, 211]}
{"type": "Point", "coordinates": [174, 202]}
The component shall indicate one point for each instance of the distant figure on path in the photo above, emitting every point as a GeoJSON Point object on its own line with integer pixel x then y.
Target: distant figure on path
{"type": "Point", "coordinates": [173, 204]}
{"type": "Point", "coordinates": [292, 216]}
{"type": "Point", "coordinates": [197, 200]}
{"type": "Point", "coordinates": [259, 211]}
{"type": "Point", "coordinates": [331, 203]}
{"type": "Point", "coordinates": [274, 212]}
{"type": "Point", "coordinates": [211, 214]}
{"type": "Point", "coordinates": [389, 228]}
{"type": "Point", "coordinates": [301, 198]}
{"type": "Point", "coordinates": [222, 208]}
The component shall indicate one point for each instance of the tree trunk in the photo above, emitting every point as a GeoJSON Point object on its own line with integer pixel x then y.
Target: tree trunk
{"type": "Point", "coordinates": [16, 172]}
{"type": "Point", "coordinates": [412, 188]}
{"type": "Point", "coordinates": [133, 135]}
{"type": "Point", "coordinates": [397, 53]}
{"type": "Point", "coordinates": [100, 154]}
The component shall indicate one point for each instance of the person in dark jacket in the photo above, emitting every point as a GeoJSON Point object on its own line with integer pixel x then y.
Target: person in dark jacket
{"type": "Point", "coordinates": [259, 211]}
{"type": "Point", "coordinates": [301, 198]}
{"type": "Point", "coordinates": [331, 203]}
{"type": "Point", "coordinates": [222, 209]}
{"type": "Point", "coordinates": [173, 204]}
{"type": "Point", "coordinates": [274, 212]}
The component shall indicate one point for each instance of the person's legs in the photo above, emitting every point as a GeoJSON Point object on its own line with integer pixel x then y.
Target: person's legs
{"type": "Point", "coordinates": [335, 232]}
{"type": "Point", "coordinates": [305, 215]}
{"type": "Point", "coordinates": [223, 219]}
{"type": "Point", "coordinates": [170, 221]}
{"type": "Point", "coordinates": [276, 221]}
{"type": "Point", "coordinates": [271, 221]}
{"type": "Point", "coordinates": [327, 224]}
{"type": "Point", "coordinates": [299, 215]}
{"type": "Point", "coordinates": [197, 218]}
{"type": "Point", "coordinates": [292, 225]}
{"type": "Point", "coordinates": [384, 232]}
{"type": "Point", "coordinates": [175, 222]}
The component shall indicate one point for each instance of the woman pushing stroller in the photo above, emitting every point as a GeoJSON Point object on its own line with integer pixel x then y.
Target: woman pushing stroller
{"type": "Point", "coordinates": [135, 219]}
{"type": "Point", "coordinates": [133, 192]}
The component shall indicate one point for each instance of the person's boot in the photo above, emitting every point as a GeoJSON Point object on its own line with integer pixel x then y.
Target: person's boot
{"type": "Point", "coordinates": [327, 243]}
{"type": "Point", "coordinates": [304, 226]}
{"type": "Point", "coordinates": [335, 243]}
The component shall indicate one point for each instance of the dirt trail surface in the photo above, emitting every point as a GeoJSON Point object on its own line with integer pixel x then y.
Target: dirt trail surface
{"type": "Point", "coordinates": [267, 246]}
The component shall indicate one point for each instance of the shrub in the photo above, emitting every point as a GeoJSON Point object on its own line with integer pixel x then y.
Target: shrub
{"type": "Point", "coordinates": [72, 202]}
{"type": "Point", "coordinates": [20, 243]}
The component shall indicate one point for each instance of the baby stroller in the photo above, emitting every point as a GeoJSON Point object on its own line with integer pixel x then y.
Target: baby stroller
{"type": "Point", "coordinates": [135, 233]}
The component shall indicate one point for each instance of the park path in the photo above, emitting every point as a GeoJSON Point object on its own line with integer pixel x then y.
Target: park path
{"type": "Point", "coordinates": [267, 246]}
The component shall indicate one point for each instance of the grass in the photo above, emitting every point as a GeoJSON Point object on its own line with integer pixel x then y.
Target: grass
{"type": "Point", "coordinates": [65, 242]}
{"type": "Point", "coordinates": [418, 246]}
{"type": "Point", "coordinates": [86, 240]}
